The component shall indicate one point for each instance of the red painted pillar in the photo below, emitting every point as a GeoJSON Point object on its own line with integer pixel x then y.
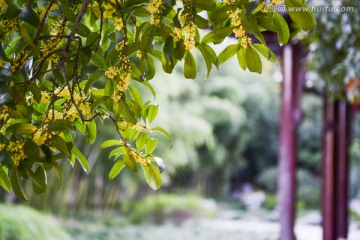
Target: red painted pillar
{"type": "Point", "coordinates": [290, 117]}
{"type": "Point", "coordinates": [328, 174]}
{"type": "Point", "coordinates": [336, 143]}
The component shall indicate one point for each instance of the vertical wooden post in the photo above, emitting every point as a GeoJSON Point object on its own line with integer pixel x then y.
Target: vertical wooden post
{"type": "Point", "coordinates": [336, 142]}
{"type": "Point", "coordinates": [290, 116]}
{"type": "Point", "coordinates": [328, 174]}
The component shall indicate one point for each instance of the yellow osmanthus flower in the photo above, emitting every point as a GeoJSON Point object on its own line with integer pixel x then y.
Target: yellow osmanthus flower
{"type": "Point", "coordinates": [189, 32]}
{"type": "Point", "coordinates": [20, 60]}
{"type": "Point", "coordinates": [45, 97]}
{"type": "Point", "coordinates": [85, 108]}
{"type": "Point", "coordinates": [118, 23]}
{"type": "Point", "coordinates": [16, 150]}
{"type": "Point", "coordinates": [229, 2]}
{"type": "Point", "coordinates": [41, 135]}
{"type": "Point", "coordinates": [155, 8]}
{"type": "Point", "coordinates": [116, 96]}
{"type": "Point", "coordinates": [245, 42]}
{"type": "Point", "coordinates": [140, 159]}
{"type": "Point", "coordinates": [124, 82]}
{"type": "Point", "coordinates": [139, 53]}
{"type": "Point", "coordinates": [238, 30]}
{"type": "Point", "coordinates": [4, 113]}
{"type": "Point", "coordinates": [3, 6]}
{"type": "Point", "coordinates": [112, 72]}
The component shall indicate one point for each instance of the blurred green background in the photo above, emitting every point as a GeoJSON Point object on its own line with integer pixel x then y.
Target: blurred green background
{"type": "Point", "coordinates": [220, 164]}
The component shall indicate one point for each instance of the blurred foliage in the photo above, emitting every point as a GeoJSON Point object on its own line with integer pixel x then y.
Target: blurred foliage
{"type": "Point", "coordinates": [161, 208]}
{"type": "Point", "coordinates": [23, 223]}
{"type": "Point", "coordinates": [334, 57]}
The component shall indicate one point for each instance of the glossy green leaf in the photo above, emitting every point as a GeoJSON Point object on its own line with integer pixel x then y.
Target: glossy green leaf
{"type": "Point", "coordinates": [204, 4]}
{"type": "Point", "coordinates": [253, 60]}
{"type": "Point", "coordinates": [217, 35]}
{"type": "Point", "coordinates": [59, 143]}
{"type": "Point", "coordinates": [115, 170]}
{"type": "Point", "coordinates": [265, 51]}
{"type": "Point", "coordinates": [151, 144]}
{"type": "Point", "coordinates": [304, 19]}
{"type": "Point", "coordinates": [21, 128]}
{"type": "Point", "coordinates": [163, 131]}
{"type": "Point", "coordinates": [59, 173]}
{"type": "Point", "coordinates": [141, 140]}
{"type": "Point", "coordinates": [39, 180]}
{"type": "Point", "coordinates": [282, 28]}
{"type": "Point", "coordinates": [81, 158]}
{"type": "Point", "coordinates": [110, 143]}
{"type": "Point", "coordinates": [16, 185]}
{"type": "Point", "coordinates": [227, 53]}
{"type": "Point", "coordinates": [28, 15]}
{"type": "Point", "coordinates": [90, 136]}
{"type": "Point", "coordinates": [152, 176]}
{"type": "Point", "coordinates": [241, 57]}
{"type": "Point", "coordinates": [152, 112]}
{"type": "Point", "coordinates": [4, 179]}
{"type": "Point", "coordinates": [129, 161]}
{"type": "Point", "coordinates": [190, 70]}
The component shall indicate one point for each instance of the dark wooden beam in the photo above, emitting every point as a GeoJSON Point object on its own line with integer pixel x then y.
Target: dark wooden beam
{"type": "Point", "coordinates": [292, 86]}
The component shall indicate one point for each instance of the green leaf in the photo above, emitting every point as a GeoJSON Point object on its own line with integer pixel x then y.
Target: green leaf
{"type": "Point", "coordinates": [39, 180]}
{"type": "Point", "coordinates": [16, 185]}
{"type": "Point", "coordinates": [92, 79]}
{"type": "Point", "coordinates": [25, 36]}
{"type": "Point", "coordinates": [227, 53]}
{"type": "Point", "coordinates": [28, 15]}
{"type": "Point", "coordinates": [151, 144]}
{"type": "Point", "coordinates": [152, 176]}
{"type": "Point", "coordinates": [200, 22]}
{"type": "Point", "coordinates": [152, 111]}
{"type": "Point", "coordinates": [115, 170]}
{"type": "Point", "coordinates": [90, 136]}
{"type": "Point", "coordinates": [141, 140]}
{"type": "Point", "coordinates": [21, 129]}
{"type": "Point", "coordinates": [110, 143]}
{"type": "Point", "coordinates": [129, 161]}
{"type": "Point", "coordinates": [80, 125]}
{"type": "Point", "coordinates": [265, 51]}
{"type": "Point", "coordinates": [59, 172]}
{"type": "Point", "coordinates": [253, 60]}
{"type": "Point", "coordinates": [98, 60]}
{"type": "Point", "coordinates": [205, 4]}
{"type": "Point", "coordinates": [81, 158]}
{"type": "Point", "coordinates": [168, 61]}
{"type": "Point", "coordinates": [68, 13]}
{"type": "Point", "coordinates": [135, 95]}
{"type": "Point", "coordinates": [282, 28]}
{"type": "Point", "coordinates": [59, 143]}
{"type": "Point", "coordinates": [163, 131]}
{"type": "Point", "coordinates": [189, 66]}
{"type": "Point", "coordinates": [4, 179]}
{"type": "Point", "coordinates": [304, 19]}
{"type": "Point", "coordinates": [117, 152]}
{"type": "Point", "coordinates": [217, 35]}
{"type": "Point", "coordinates": [241, 58]}
{"type": "Point", "coordinates": [160, 164]}
{"type": "Point", "coordinates": [5, 75]}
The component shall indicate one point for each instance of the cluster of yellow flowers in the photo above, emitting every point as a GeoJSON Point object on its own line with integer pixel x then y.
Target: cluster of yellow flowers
{"type": "Point", "coordinates": [238, 30]}
{"type": "Point", "coordinates": [119, 24]}
{"type": "Point", "coordinates": [110, 9]}
{"type": "Point", "coordinates": [41, 135]}
{"type": "Point", "coordinates": [277, 2]}
{"type": "Point", "coordinates": [245, 42]}
{"type": "Point", "coordinates": [20, 60]}
{"type": "Point", "coordinates": [42, 10]}
{"type": "Point", "coordinates": [155, 10]}
{"type": "Point", "coordinates": [4, 114]}
{"type": "Point", "coordinates": [47, 47]}
{"type": "Point", "coordinates": [140, 159]}
{"type": "Point", "coordinates": [187, 30]}
{"type": "Point", "coordinates": [112, 72]}
{"type": "Point", "coordinates": [16, 150]}
{"type": "Point", "coordinates": [3, 6]}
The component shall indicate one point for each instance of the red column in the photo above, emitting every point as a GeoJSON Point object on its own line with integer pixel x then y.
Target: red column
{"type": "Point", "coordinates": [290, 116]}
{"type": "Point", "coordinates": [336, 142]}
{"type": "Point", "coordinates": [328, 178]}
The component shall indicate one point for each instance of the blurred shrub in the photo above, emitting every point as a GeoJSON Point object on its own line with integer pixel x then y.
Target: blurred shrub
{"type": "Point", "coordinates": [23, 223]}
{"type": "Point", "coordinates": [268, 179]}
{"type": "Point", "coordinates": [270, 201]}
{"type": "Point", "coordinates": [308, 189]}
{"type": "Point", "coordinates": [161, 208]}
